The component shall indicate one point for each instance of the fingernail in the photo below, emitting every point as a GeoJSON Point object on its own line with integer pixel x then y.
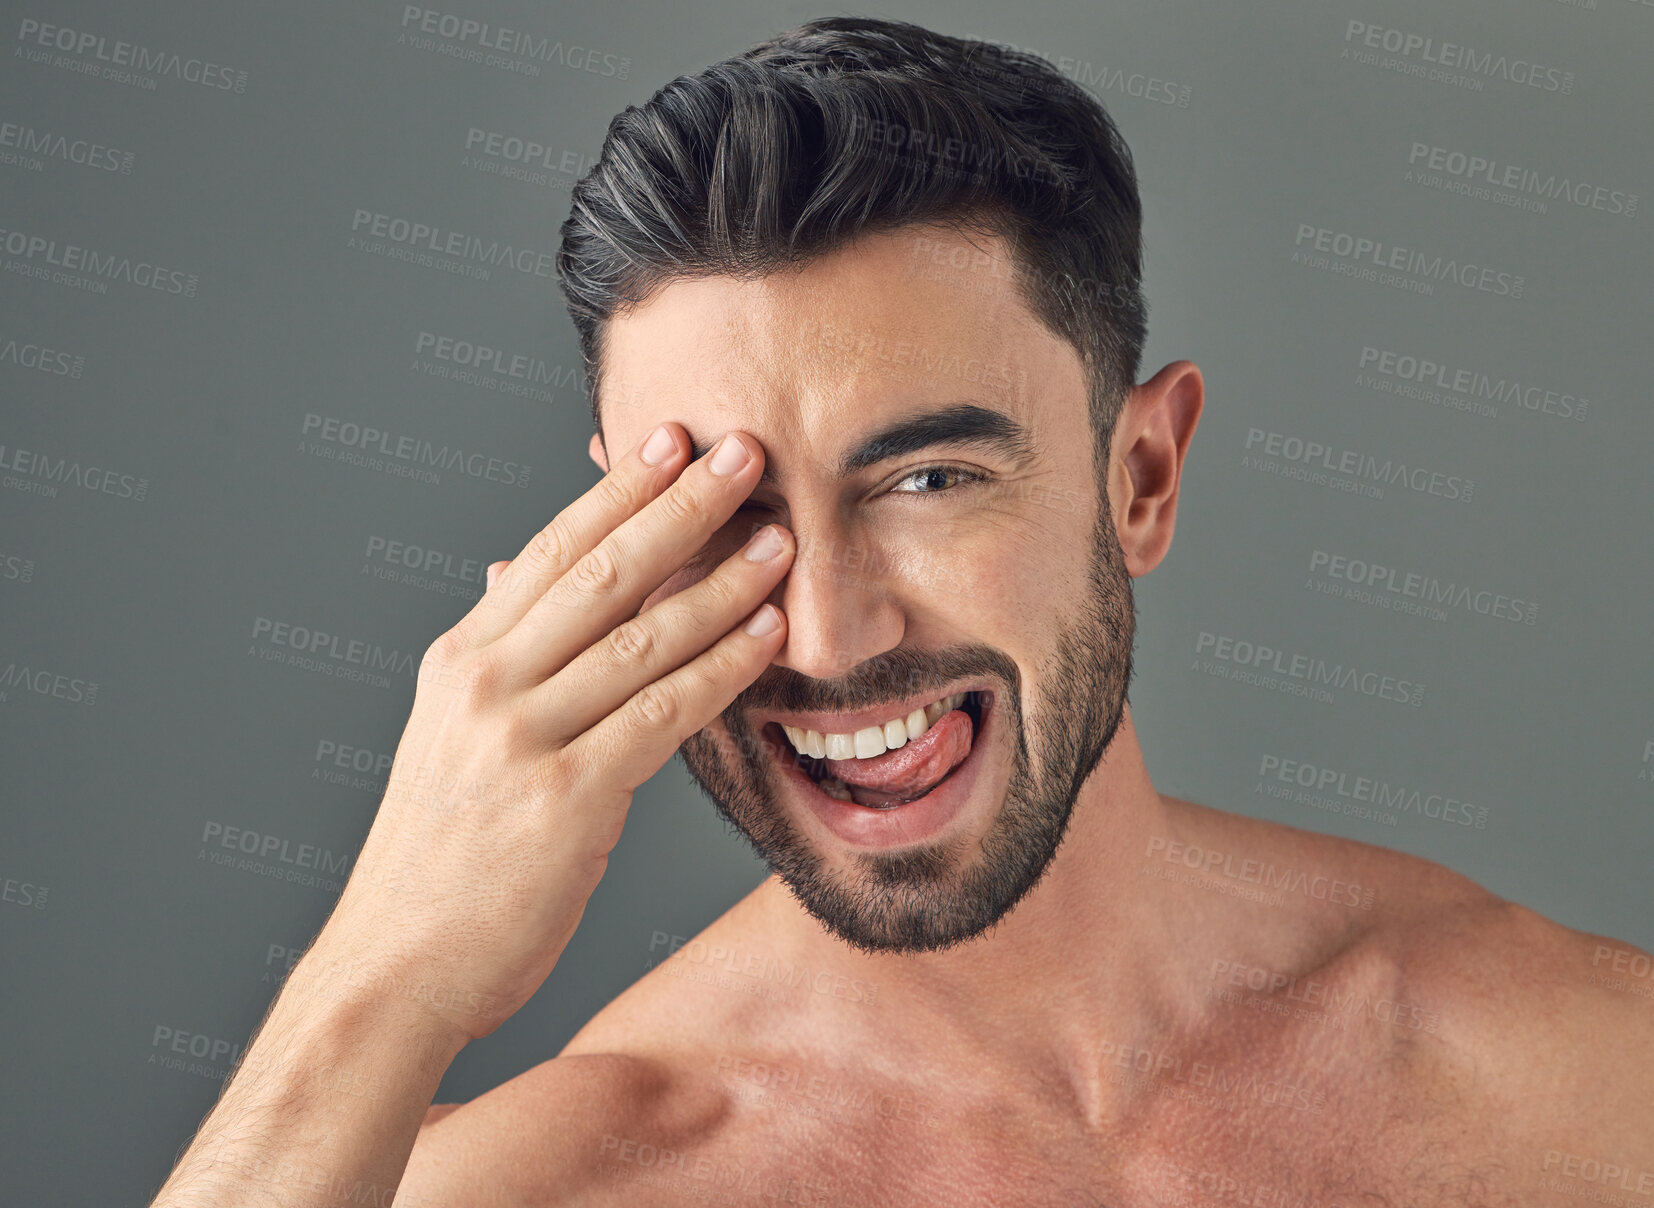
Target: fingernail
{"type": "Point", "coordinates": [765, 620]}
{"type": "Point", "coordinates": [658, 447]}
{"type": "Point", "coordinates": [492, 575]}
{"type": "Point", "coordinates": [765, 544]}
{"type": "Point", "coordinates": [729, 456]}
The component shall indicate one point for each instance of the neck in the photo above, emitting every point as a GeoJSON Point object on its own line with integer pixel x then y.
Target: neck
{"type": "Point", "coordinates": [1097, 957]}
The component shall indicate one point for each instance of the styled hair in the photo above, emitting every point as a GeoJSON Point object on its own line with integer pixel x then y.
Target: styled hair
{"type": "Point", "coordinates": [852, 125]}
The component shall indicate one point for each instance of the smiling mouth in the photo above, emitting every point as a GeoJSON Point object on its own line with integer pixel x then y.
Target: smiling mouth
{"type": "Point", "coordinates": [896, 777]}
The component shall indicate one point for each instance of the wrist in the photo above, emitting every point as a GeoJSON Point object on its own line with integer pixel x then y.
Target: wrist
{"type": "Point", "coordinates": [368, 997]}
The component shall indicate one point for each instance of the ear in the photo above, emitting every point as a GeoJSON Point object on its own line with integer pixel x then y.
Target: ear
{"type": "Point", "coordinates": [595, 449]}
{"type": "Point", "coordinates": [1150, 442]}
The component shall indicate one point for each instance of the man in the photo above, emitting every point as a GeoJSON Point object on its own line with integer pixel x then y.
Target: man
{"type": "Point", "coordinates": [898, 275]}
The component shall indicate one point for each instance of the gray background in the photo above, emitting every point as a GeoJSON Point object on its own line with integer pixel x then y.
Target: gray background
{"type": "Point", "coordinates": [115, 923]}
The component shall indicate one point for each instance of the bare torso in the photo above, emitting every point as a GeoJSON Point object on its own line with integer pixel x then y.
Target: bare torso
{"type": "Point", "coordinates": [1444, 1048]}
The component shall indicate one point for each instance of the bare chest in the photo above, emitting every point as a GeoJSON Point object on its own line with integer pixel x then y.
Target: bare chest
{"type": "Point", "coordinates": [1199, 1140]}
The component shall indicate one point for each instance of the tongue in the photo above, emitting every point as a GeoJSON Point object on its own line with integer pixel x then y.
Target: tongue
{"type": "Point", "coordinates": [911, 768]}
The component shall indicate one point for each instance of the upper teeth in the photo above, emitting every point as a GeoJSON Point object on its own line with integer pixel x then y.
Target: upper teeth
{"type": "Point", "coordinates": [873, 740]}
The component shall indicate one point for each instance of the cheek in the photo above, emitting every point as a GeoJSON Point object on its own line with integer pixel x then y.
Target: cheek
{"type": "Point", "coordinates": [992, 569]}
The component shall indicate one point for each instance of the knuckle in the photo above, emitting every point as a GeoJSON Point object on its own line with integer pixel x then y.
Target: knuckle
{"type": "Point", "coordinates": [440, 666]}
{"type": "Point", "coordinates": [479, 677]}
{"type": "Point", "coordinates": [631, 644]}
{"type": "Point", "coordinates": [696, 615]}
{"type": "Point", "coordinates": [679, 507]}
{"type": "Point", "coordinates": [516, 734]}
{"type": "Point", "coordinates": [467, 633]}
{"type": "Point", "coordinates": [551, 544]}
{"type": "Point", "coordinates": [657, 706]}
{"type": "Point", "coordinates": [598, 572]}
{"type": "Point", "coordinates": [714, 597]}
{"type": "Point", "coordinates": [725, 665]}
{"type": "Point", "coordinates": [556, 777]}
{"type": "Point", "coordinates": [618, 491]}
{"type": "Point", "coordinates": [445, 649]}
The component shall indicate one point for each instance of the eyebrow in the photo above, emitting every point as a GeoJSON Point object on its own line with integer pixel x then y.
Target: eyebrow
{"type": "Point", "coordinates": [969, 424]}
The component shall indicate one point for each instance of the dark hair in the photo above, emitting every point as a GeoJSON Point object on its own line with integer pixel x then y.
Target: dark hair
{"type": "Point", "coordinates": [785, 152]}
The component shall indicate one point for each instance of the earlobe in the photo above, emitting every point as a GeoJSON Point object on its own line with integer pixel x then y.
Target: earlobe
{"type": "Point", "coordinates": [595, 450]}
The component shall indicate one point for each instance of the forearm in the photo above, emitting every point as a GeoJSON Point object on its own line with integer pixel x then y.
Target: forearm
{"type": "Point", "coordinates": [326, 1103]}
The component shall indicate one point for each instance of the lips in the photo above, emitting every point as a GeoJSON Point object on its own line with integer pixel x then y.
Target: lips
{"type": "Point", "coordinates": [955, 801]}
{"type": "Point", "coordinates": [909, 771]}
{"type": "Point", "coordinates": [900, 775]}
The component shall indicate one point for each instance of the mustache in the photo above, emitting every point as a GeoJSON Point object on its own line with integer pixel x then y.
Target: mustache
{"type": "Point", "coordinates": [891, 675]}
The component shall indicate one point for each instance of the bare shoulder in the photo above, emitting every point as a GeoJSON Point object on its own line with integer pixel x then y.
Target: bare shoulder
{"type": "Point", "coordinates": [557, 1132]}
{"type": "Point", "coordinates": [1538, 1072]}
{"type": "Point", "coordinates": [1547, 1028]}
{"type": "Point", "coordinates": [1554, 1022]}
{"type": "Point", "coordinates": [626, 1103]}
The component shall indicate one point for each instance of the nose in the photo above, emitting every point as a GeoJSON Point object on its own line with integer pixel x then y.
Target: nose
{"type": "Point", "coordinates": [840, 599]}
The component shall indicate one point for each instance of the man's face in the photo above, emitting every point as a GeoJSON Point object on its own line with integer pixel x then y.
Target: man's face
{"type": "Point", "coordinates": [921, 569]}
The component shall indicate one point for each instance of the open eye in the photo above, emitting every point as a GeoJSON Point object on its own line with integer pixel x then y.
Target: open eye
{"type": "Point", "coordinates": [936, 480]}
{"type": "Point", "coordinates": [933, 474]}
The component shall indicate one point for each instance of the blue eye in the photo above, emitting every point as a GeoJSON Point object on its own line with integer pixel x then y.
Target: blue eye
{"type": "Point", "coordinates": [930, 474]}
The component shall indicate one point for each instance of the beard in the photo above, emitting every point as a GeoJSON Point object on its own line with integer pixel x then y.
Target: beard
{"type": "Point", "coordinates": [930, 897]}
